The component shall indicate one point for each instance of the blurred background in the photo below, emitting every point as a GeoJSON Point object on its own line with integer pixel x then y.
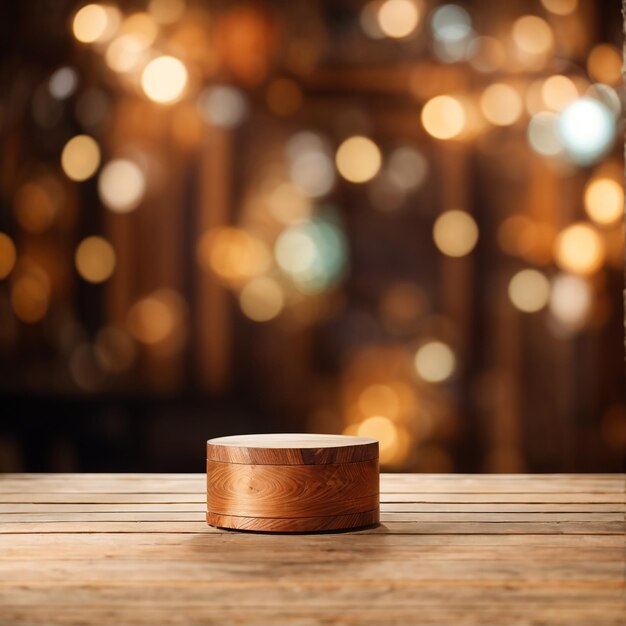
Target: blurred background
{"type": "Point", "coordinates": [397, 218]}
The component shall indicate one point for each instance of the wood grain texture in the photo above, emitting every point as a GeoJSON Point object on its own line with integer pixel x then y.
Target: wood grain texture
{"type": "Point", "coordinates": [292, 483]}
{"type": "Point", "coordinates": [291, 449]}
{"type": "Point", "coordinates": [463, 550]}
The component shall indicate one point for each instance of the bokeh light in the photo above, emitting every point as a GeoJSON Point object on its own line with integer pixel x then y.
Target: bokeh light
{"type": "Point", "coordinates": [383, 429]}
{"type": "Point", "coordinates": [443, 117]}
{"type": "Point", "coordinates": [379, 399]}
{"type": "Point", "coordinates": [579, 249]}
{"type": "Point", "coordinates": [37, 202]}
{"type": "Point", "coordinates": [450, 23]}
{"type": "Point", "coordinates": [80, 157]}
{"type": "Point", "coordinates": [455, 233]}
{"type": "Point", "coordinates": [571, 299]}
{"type": "Point", "coordinates": [358, 159]}
{"type": "Point", "coordinates": [8, 255]}
{"type": "Point", "coordinates": [95, 259]}
{"type": "Point", "coordinates": [532, 35]}
{"type": "Point", "coordinates": [95, 22]}
{"type": "Point", "coordinates": [586, 129]}
{"type": "Point", "coordinates": [63, 83]}
{"type": "Point", "coordinates": [30, 294]}
{"type": "Point", "coordinates": [529, 290]}
{"type": "Point", "coordinates": [288, 204]}
{"type": "Point", "coordinates": [542, 134]}
{"type": "Point", "coordinates": [166, 11]}
{"type": "Point", "coordinates": [121, 185]}
{"type": "Point", "coordinates": [501, 104]}
{"type": "Point", "coordinates": [311, 168]}
{"type": "Point", "coordinates": [164, 79]}
{"type": "Point", "coordinates": [434, 362]}
{"type": "Point", "coordinates": [560, 7]}
{"type": "Point", "coordinates": [604, 64]}
{"type": "Point", "coordinates": [223, 105]}
{"type": "Point", "coordinates": [407, 168]}
{"type": "Point", "coordinates": [154, 319]}
{"type": "Point", "coordinates": [558, 91]}
{"type": "Point", "coordinates": [233, 254]}
{"type": "Point", "coordinates": [398, 18]}
{"type": "Point", "coordinates": [604, 201]}
{"type": "Point", "coordinates": [262, 299]}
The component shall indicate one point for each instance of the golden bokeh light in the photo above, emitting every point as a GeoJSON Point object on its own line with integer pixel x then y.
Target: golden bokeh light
{"type": "Point", "coordinates": [560, 7]}
{"type": "Point", "coordinates": [532, 35]}
{"type": "Point", "coordinates": [166, 11]}
{"type": "Point", "coordinates": [121, 185]}
{"type": "Point", "coordinates": [529, 290]}
{"type": "Point", "coordinates": [8, 255]}
{"type": "Point", "coordinates": [125, 53]}
{"type": "Point", "coordinates": [233, 254]}
{"type": "Point", "coordinates": [383, 429]}
{"type": "Point", "coordinates": [284, 96]}
{"type": "Point", "coordinates": [80, 157]}
{"type": "Point", "coordinates": [95, 22]}
{"type": "Point", "coordinates": [455, 233]}
{"type": "Point", "coordinates": [398, 18]}
{"type": "Point", "coordinates": [30, 297]}
{"type": "Point", "coordinates": [358, 159]}
{"type": "Point", "coordinates": [261, 299]}
{"type": "Point", "coordinates": [604, 64]}
{"type": "Point", "coordinates": [434, 362]}
{"type": "Point", "coordinates": [379, 399]}
{"type": "Point", "coordinates": [164, 79]}
{"type": "Point", "coordinates": [558, 91]}
{"type": "Point", "coordinates": [95, 259]}
{"type": "Point", "coordinates": [571, 300]}
{"type": "Point", "coordinates": [579, 249]}
{"type": "Point", "coordinates": [444, 117]}
{"type": "Point", "coordinates": [288, 204]}
{"type": "Point", "coordinates": [501, 104]}
{"type": "Point", "coordinates": [153, 319]}
{"type": "Point", "coordinates": [35, 206]}
{"type": "Point", "coordinates": [604, 201]}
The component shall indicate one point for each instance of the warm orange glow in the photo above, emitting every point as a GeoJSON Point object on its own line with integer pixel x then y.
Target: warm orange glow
{"type": "Point", "coordinates": [262, 299]}
{"type": "Point", "coordinates": [558, 91]}
{"type": "Point", "coordinates": [95, 22]}
{"type": "Point", "coordinates": [501, 104]}
{"type": "Point", "coordinates": [35, 207]}
{"type": "Point", "coordinates": [604, 64]}
{"type": "Point", "coordinates": [529, 290]}
{"type": "Point", "coordinates": [398, 18]}
{"type": "Point", "coordinates": [121, 185]}
{"type": "Point", "coordinates": [560, 7]}
{"type": "Point", "coordinates": [604, 201]}
{"type": "Point", "coordinates": [443, 117]}
{"type": "Point", "coordinates": [154, 318]}
{"type": "Point", "coordinates": [358, 159]}
{"type": "Point", "coordinates": [379, 400]}
{"type": "Point", "coordinates": [383, 429]}
{"type": "Point", "coordinates": [164, 79]}
{"type": "Point", "coordinates": [80, 157]}
{"type": "Point", "coordinates": [95, 259]}
{"type": "Point", "coordinates": [532, 35]}
{"type": "Point", "coordinates": [435, 362]}
{"type": "Point", "coordinates": [455, 233]}
{"type": "Point", "coordinates": [7, 255]}
{"type": "Point", "coordinates": [30, 295]}
{"type": "Point", "coordinates": [579, 249]}
{"type": "Point", "coordinates": [166, 11]}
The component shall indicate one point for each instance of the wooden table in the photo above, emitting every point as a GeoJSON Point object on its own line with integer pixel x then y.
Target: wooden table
{"type": "Point", "coordinates": [452, 549]}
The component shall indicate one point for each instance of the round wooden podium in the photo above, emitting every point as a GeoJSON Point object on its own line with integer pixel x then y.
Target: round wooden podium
{"type": "Point", "coordinates": [292, 482]}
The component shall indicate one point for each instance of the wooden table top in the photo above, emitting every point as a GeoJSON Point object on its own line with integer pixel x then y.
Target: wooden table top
{"type": "Point", "coordinates": [452, 549]}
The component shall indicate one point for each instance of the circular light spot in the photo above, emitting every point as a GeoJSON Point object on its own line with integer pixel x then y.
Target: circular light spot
{"type": "Point", "coordinates": [288, 204]}
{"type": "Point", "coordinates": [30, 298]}
{"type": "Point", "coordinates": [261, 299]}
{"type": "Point", "coordinates": [558, 91]}
{"type": "Point", "coordinates": [223, 106]}
{"type": "Point", "coordinates": [166, 11]}
{"type": "Point", "coordinates": [164, 79]}
{"type": "Point", "coordinates": [560, 7]}
{"type": "Point", "coordinates": [407, 168]}
{"type": "Point", "coordinates": [455, 233]}
{"type": "Point", "coordinates": [154, 318]}
{"type": "Point", "coordinates": [501, 104]}
{"type": "Point", "coordinates": [398, 18]}
{"type": "Point", "coordinates": [295, 251]}
{"type": "Point", "coordinates": [7, 255]}
{"type": "Point", "coordinates": [435, 362]}
{"type": "Point", "coordinates": [125, 53]}
{"type": "Point", "coordinates": [443, 117]}
{"type": "Point", "coordinates": [312, 171]}
{"type": "Point", "coordinates": [542, 134]}
{"type": "Point", "coordinates": [379, 400]}
{"type": "Point", "coordinates": [586, 129]}
{"type": "Point", "coordinates": [579, 249]}
{"type": "Point", "coordinates": [604, 201]}
{"type": "Point", "coordinates": [382, 429]}
{"type": "Point", "coordinates": [532, 35]}
{"type": "Point", "coordinates": [95, 259]}
{"type": "Point", "coordinates": [95, 22]}
{"type": "Point", "coordinates": [62, 83]}
{"type": "Point", "coordinates": [570, 300]}
{"type": "Point", "coordinates": [604, 64]}
{"type": "Point", "coordinates": [121, 185]}
{"type": "Point", "coordinates": [80, 157]}
{"type": "Point", "coordinates": [451, 23]}
{"type": "Point", "coordinates": [358, 159]}
{"type": "Point", "coordinates": [529, 290]}
{"type": "Point", "coordinates": [487, 54]}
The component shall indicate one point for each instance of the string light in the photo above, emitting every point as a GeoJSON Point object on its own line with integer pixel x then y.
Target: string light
{"type": "Point", "coordinates": [529, 290]}
{"type": "Point", "coordinates": [80, 157]}
{"type": "Point", "coordinates": [95, 22]}
{"type": "Point", "coordinates": [604, 201]}
{"type": "Point", "coordinates": [398, 18]}
{"type": "Point", "coordinates": [121, 185]}
{"type": "Point", "coordinates": [95, 259]}
{"type": "Point", "coordinates": [435, 362]}
{"type": "Point", "coordinates": [579, 249]}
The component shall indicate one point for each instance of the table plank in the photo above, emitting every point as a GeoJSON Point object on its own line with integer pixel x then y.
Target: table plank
{"type": "Point", "coordinates": [462, 549]}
